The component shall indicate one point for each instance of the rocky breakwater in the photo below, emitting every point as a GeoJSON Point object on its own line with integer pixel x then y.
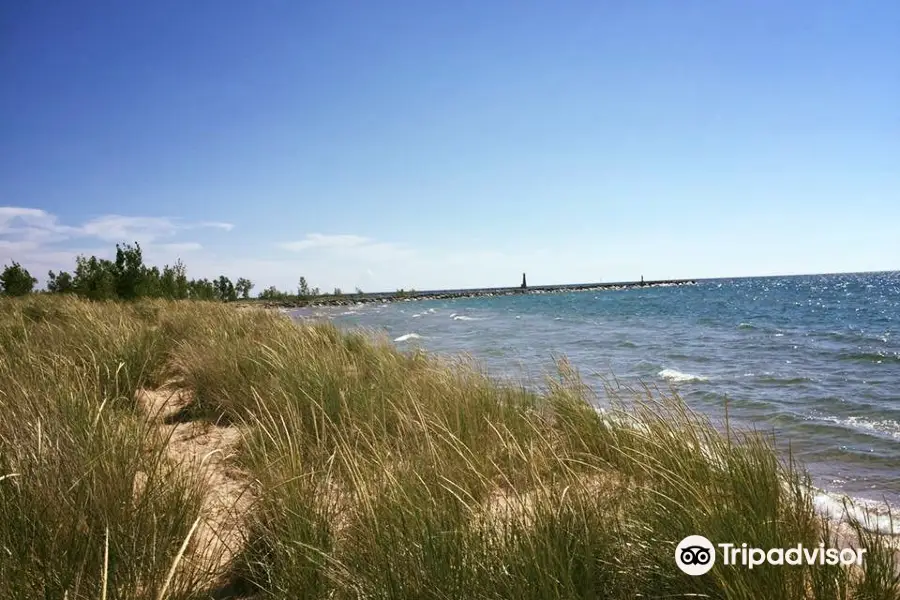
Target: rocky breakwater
{"type": "Point", "coordinates": [359, 299]}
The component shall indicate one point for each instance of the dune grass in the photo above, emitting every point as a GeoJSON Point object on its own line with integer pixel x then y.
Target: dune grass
{"type": "Point", "coordinates": [377, 474]}
{"type": "Point", "coordinates": [72, 451]}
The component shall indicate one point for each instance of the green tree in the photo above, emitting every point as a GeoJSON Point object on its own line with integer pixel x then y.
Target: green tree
{"type": "Point", "coordinates": [337, 291]}
{"type": "Point", "coordinates": [95, 278]}
{"type": "Point", "coordinates": [150, 283]}
{"type": "Point", "coordinates": [243, 287]}
{"type": "Point", "coordinates": [225, 289]}
{"type": "Point", "coordinates": [303, 287]}
{"type": "Point", "coordinates": [15, 280]}
{"type": "Point", "coordinates": [202, 289]}
{"type": "Point", "coordinates": [131, 275]}
{"type": "Point", "coordinates": [272, 293]}
{"type": "Point", "coordinates": [61, 283]}
{"type": "Point", "coordinates": [174, 282]}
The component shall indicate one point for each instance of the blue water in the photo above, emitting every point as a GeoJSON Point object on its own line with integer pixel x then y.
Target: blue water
{"type": "Point", "coordinates": [814, 359]}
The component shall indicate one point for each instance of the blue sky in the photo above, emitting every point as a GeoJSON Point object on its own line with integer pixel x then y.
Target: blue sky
{"type": "Point", "coordinates": [440, 145]}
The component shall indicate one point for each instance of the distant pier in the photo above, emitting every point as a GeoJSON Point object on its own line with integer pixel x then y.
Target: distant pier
{"type": "Point", "coordinates": [351, 299]}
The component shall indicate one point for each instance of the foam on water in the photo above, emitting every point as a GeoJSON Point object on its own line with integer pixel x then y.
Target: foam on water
{"type": "Point", "coordinates": [886, 427]}
{"type": "Point", "coordinates": [679, 377]}
{"type": "Point", "coordinates": [871, 515]}
{"type": "Point", "coordinates": [408, 336]}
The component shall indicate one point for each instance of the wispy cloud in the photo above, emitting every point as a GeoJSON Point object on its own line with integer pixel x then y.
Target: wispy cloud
{"type": "Point", "coordinates": [349, 249]}
{"type": "Point", "coordinates": [38, 237]}
{"type": "Point", "coordinates": [26, 215]}
{"type": "Point", "coordinates": [141, 229]}
{"type": "Point", "coordinates": [327, 242]}
{"type": "Point", "coordinates": [181, 247]}
{"type": "Point", "coordinates": [217, 225]}
{"type": "Point", "coordinates": [36, 226]}
{"type": "Point", "coordinates": [27, 229]}
{"type": "Point", "coordinates": [116, 228]}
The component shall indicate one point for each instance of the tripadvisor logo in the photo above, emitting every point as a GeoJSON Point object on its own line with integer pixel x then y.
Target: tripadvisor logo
{"type": "Point", "coordinates": [696, 555]}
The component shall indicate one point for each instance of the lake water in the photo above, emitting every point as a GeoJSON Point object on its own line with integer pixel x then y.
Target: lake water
{"type": "Point", "coordinates": [814, 359]}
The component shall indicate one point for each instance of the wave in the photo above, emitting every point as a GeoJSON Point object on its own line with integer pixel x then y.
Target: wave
{"type": "Point", "coordinates": [885, 427]}
{"type": "Point", "coordinates": [769, 378]}
{"type": "Point", "coordinates": [871, 515]}
{"type": "Point", "coordinates": [408, 336]}
{"type": "Point", "coordinates": [463, 318]}
{"type": "Point", "coordinates": [873, 357]}
{"type": "Point", "coordinates": [679, 377]}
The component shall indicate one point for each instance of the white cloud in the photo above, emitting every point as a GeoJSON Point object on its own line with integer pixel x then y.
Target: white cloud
{"type": "Point", "coordinates": [36, 238]}
{"type": "Point", "coordinates": [27, 215]}
{"type": "Point", "coordinates": [116, 228]}
{"type": "Point", "coordinates": [217, 225]}
{"type": "Point", "coordinates": [35, 225]}
{"type": "Point", "coordinates": [348, 251]}
{"type": "Point", "coordinates": [30, 227]}
{"type": "Point", "coordinates": [327, 242]}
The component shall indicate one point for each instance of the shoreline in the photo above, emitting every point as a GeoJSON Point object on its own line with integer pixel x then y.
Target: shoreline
{"type": "Point", "coordinates": [407, 296]}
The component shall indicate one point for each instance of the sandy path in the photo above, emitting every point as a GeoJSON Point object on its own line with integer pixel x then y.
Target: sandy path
{"type": "Point", "coordinates": [206, 450]}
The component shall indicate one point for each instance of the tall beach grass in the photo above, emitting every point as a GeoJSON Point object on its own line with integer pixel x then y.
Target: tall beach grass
{"type": "Point", "coordinates": [376, 473]}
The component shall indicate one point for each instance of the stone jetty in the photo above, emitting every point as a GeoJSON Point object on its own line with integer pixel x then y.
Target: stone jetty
{"type": "Point", "coordinates": [351, 299]}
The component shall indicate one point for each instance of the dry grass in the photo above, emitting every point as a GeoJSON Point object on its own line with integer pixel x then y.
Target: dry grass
{"type": "Point", "coordinates": [302, 462]}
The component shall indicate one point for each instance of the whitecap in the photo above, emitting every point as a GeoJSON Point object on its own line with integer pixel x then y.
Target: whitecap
{"type": "Point", "coordinates": [873, 516]}
{"type": "Point", "coordinates": [463, 318]}
{"type": "Point", "coordinates": [885, 427]}
{"type": "Point", "coordinates": [408, 336]}
{"type": "Point", "coordinates": [679, 377]}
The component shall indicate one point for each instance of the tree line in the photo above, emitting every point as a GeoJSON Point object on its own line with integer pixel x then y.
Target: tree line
{"type": "Point", "coordinates": [125, 278]}
{"type": "Point", "coordinates": [128, 278]}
